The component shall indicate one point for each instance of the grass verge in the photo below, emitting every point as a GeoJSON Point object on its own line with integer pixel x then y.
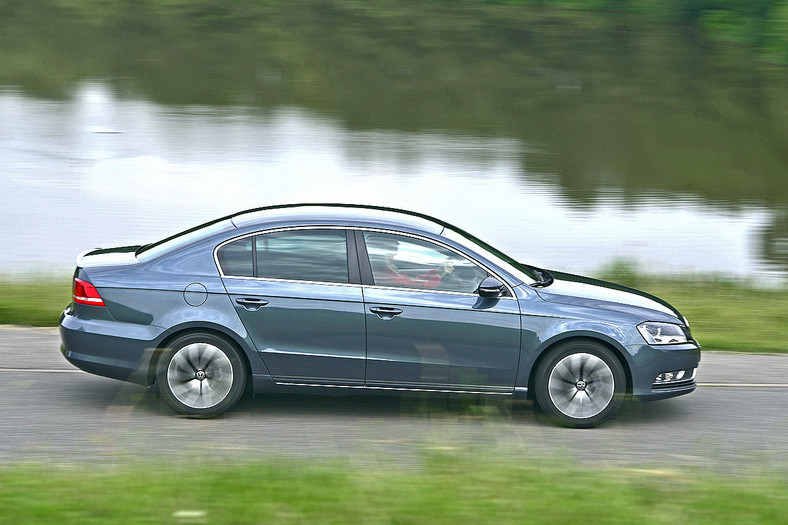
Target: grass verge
{"type": "Point", "coordinates": [36, 302]}
{"type": "Point", "coordinates": [728, 316]}
{"type": "Point", "coordinates": [445, 489]}
{"type": "Point", "coordinates": [725, 315]}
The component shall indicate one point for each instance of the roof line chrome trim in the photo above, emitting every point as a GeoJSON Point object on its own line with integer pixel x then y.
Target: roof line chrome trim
{"type": "Point", "coordinates": [356, 228]}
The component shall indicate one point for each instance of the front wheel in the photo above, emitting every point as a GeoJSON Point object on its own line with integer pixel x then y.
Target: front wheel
{"type": "Point", "coordinates": [201, 375]}
{"type": "Point", "coordinates": [580, 384]}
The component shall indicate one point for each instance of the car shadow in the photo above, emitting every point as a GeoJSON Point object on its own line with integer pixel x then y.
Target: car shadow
{"type": "Point", "coordinates": [375, 405]}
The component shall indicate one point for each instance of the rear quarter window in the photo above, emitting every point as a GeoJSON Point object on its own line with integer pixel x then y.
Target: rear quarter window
{"type": "Point", "coordinates": [235, 258]}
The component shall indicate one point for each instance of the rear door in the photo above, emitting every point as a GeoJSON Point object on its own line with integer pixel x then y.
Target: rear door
{"type": "Point", "coordinates": [297, 292]}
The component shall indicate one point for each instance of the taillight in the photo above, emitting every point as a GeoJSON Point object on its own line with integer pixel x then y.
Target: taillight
{"type": "Point", "coordinates": [86, 293]}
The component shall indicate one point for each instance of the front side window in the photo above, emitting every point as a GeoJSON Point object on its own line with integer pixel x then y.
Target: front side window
{"type": "Point", "coordinates": [297, 255]}
{"type": "Point", "coordinates": [405, 262]}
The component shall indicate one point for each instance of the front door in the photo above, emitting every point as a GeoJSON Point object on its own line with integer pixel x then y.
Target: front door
{"type": "Point", "coordinates": [426, 325]}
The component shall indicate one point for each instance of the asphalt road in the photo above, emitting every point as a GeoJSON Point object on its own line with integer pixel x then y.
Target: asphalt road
{"type": "Point", "coordinates": [737, 420]}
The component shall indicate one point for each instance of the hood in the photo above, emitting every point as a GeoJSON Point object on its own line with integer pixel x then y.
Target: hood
{"type": "Point", "coordinates": [108, 256]}
{"type": "Point", "coordinates": [586, 291]}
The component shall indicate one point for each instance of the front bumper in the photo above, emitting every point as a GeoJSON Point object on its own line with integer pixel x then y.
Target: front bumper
{"type": "Point", "coordinates": [649, 362]}
{"type": "Point", "coordinates": [109, 348]}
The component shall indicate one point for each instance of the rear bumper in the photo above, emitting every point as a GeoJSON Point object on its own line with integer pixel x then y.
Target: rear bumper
{"type": "Point", "coordinates": [109, 348]}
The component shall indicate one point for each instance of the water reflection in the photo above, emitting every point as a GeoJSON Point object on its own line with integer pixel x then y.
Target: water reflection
{"type": "Point", "coordinates": [100, 170]}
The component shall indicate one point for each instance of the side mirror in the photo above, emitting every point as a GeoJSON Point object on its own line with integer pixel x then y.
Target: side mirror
{"type": "Point", "coordinates": [491, 287]}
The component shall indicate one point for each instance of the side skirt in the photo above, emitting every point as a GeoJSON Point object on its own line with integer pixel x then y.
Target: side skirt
{"type": "Point", "coordinates": [265, 383]}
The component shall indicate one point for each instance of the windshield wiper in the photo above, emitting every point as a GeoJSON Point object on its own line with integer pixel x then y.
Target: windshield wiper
{"type": "Point", "coordinates": [545, 278]}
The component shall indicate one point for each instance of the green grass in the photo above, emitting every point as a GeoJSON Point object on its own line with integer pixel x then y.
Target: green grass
{"type": "Point", "coordinates": [728, 316]}
{"type": "Point", "coordinates": [725, 315]}
{"type": "Point", "coordinates": [36, 302]}
{"type": "Point", "coordinates": [454, 488]}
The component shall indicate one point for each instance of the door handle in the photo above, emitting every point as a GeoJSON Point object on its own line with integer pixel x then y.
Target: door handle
{"type": "Point", "coordinates": [251, 303]}
{"type": "Point", "coordinates": [385, 312]}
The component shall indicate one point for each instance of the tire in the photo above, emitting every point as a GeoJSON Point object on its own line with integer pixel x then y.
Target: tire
{"type": "Point", "coordinates": [201, 375]}
{"type": "Point", "coordinates": [580, 384]}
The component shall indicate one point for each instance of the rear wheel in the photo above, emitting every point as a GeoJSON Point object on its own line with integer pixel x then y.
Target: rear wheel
{"type": "Point", "coordinates": [580, 384]}
{"type": "Point", "coordinates": [201, 375]}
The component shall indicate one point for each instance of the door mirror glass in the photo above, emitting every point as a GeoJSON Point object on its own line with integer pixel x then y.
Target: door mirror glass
{"type": "Point", "coordinates": [491, 287]}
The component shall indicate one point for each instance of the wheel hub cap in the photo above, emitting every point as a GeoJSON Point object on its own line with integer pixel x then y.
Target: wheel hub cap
{"type": "Point", "coordinates": [581, 385]}
{"type": "Point", "coordinates": [200, 375]}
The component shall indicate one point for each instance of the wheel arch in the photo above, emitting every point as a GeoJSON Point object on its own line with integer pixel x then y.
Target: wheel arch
{"type": "Point", "coordinates": [609, 343]}
{"type": "Point", "coordinates": [190, 328]}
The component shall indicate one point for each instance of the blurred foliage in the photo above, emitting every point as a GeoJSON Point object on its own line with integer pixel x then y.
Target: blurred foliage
{"type": "Point", "coordinates": [623, 271]}
{"type": "Point", "coordinates": [450, 488]}
{"type": "Point", "coordinates": [34, 302]}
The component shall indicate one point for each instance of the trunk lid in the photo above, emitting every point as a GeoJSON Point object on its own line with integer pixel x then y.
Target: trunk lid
{"type": "Point", "coordinates": [121, 255]}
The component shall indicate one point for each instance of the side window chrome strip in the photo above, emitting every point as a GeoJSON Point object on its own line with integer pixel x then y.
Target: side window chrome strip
{"type": "Point", "coordinates": [509, 289]}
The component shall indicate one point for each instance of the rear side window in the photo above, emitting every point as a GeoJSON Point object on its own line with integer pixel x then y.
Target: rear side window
{"type": "Point", "coordinates": [303, 255]}
{"type": "Point", "coordinates": [298, 255]}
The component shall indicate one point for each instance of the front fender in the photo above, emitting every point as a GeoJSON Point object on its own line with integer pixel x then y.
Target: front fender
{"type": "Point", "coordinates": [535, 342]}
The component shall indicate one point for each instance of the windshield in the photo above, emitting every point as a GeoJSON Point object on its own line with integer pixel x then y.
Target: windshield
{"type": "Point", "coordinates": [517, 269]}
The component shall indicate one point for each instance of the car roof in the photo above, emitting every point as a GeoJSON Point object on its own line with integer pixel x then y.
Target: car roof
{"type": "Point", "coordinates": [302, 215]}
{"type": "Point", "coordinates": [331, 214]}
{"type": "Point", "coordinates": [337, 214]}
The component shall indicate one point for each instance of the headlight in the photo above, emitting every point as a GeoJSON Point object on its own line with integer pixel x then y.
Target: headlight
{"type": "Point", "coordinates": [662, 333]}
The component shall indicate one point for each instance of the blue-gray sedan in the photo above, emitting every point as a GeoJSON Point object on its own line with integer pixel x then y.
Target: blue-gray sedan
{"type": "Point", "coordinates": [363, 298]}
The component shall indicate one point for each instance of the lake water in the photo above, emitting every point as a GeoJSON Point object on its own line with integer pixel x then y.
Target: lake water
{"type": "Point", "coordinates": [98, 170]}
{"type": "Point", "coordinates": [569, 139]}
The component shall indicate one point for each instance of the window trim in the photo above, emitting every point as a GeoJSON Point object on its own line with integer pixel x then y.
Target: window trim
{"type": "Point", "coordinates": [354, 235]}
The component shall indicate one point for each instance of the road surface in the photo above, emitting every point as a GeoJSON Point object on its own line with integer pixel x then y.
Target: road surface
{"type": "Point", "coordinates": [737, 420]}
